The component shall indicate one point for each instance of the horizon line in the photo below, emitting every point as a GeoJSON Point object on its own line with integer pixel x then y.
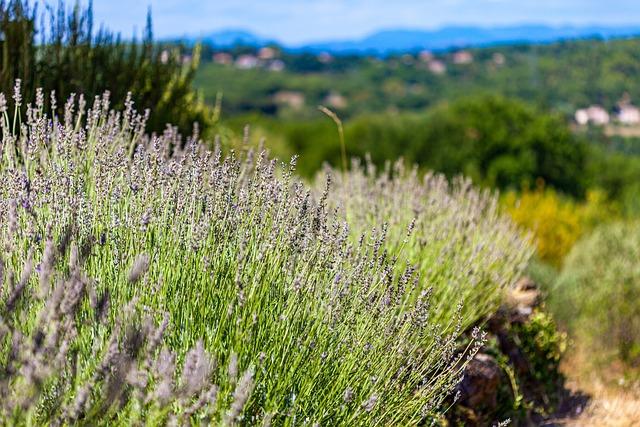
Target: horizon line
{"type": "Point", "coordinates": [382, 29]}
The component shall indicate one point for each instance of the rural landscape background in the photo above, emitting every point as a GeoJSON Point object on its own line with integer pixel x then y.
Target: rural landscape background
{"type": "Point", "coordinates": [328, 213]}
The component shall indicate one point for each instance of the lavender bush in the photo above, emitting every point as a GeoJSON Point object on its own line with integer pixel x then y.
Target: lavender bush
{"type": "Point", "coordinates": [453, 235]}
{"type": "Point", "coordinates": [280, 308]}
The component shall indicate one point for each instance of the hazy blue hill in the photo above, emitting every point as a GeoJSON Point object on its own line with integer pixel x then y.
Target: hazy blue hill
{"type": "Point", "coordinates": [458, 36]}
{"type": "Point", "coordinates": [447, 37]}
{"type": "Point", "coordinates": [228, 38]}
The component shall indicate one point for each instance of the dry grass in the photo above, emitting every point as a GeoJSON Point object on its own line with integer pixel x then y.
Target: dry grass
{"type": "Point", "coordinates": [615, 401]}
{"type": "Point", "coordinates": [623, 131]}
{"type": "Point", "coordinates": [611, 407]}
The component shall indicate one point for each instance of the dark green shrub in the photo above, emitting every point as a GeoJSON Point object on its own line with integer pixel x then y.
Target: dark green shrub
{"type": "Point", "coordinates": [543, 344]}
{"type": "Point", "coordinates": [68, 56]}
{"type": "Point", "coordinates": [503, 143]}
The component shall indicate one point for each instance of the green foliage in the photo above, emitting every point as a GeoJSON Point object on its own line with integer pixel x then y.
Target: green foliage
{"type": "Point", "coordinates": [619, 175]}
{"type": "Point", "coordinates": [497, 142]}
{"type": "Point", "coordinates": [563, 76]}
{"type": "Point", "coordinates": [597, 292]}
{"type": "Point", "coordinates": [69, 56]}
{"type": "Point", "coordinates": [543, 345]}
{"type": "Point", "coordinates": [526, 349]}
{"type": "Point", "coordinates": [501, 143]}
{"type": "Point", "coordinates": [535, 383]}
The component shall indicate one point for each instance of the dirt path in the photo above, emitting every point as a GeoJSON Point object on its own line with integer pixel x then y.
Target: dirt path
{"type": "Point", "coordinates": [608, 401]}
{"type": "Point", "coordinates": [610, 407]}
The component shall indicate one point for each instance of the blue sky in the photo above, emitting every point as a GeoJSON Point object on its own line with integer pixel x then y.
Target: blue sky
{"type": "Point", "coordinates": [311, 20]}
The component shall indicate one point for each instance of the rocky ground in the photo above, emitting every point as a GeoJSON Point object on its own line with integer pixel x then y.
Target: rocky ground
{"type": "Point", "coordinates": [517, 375]}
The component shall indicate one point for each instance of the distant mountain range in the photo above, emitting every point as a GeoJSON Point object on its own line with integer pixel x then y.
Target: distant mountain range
{"type": "Point", "coordinates": [402, 40]}
{"type": "Point", "coordinates": [228, 38]}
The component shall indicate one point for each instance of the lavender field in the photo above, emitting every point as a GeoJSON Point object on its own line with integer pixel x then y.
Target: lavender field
{"type": "Point", "coordinates": [209, 225]}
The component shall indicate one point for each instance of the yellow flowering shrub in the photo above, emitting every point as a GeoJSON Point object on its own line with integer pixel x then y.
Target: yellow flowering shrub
{"type": "Point", "coordinates": [556, 222]}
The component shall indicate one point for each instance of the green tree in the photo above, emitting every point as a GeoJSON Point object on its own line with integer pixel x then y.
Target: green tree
{"type": "Point", "coordinates": [71, 57]}
{"type": "Point", "coordinates": [503, 143]}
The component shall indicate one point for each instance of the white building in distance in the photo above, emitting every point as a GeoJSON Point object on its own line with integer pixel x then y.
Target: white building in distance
{"type": "Point", "coordinates": [594, 114]}
{"type": "Point", "coordinates": [628, 114]}
{"type": "Point", "coordinates": [292, 99]}
{"type": "Point", "coordinates": [437, 67]}
{"type": "Point", "coordinates": [462, 57]}
{"type": "Point", "coordinates": [222, 58]}
{"type": "Point", "coordinates": [247, 62]}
